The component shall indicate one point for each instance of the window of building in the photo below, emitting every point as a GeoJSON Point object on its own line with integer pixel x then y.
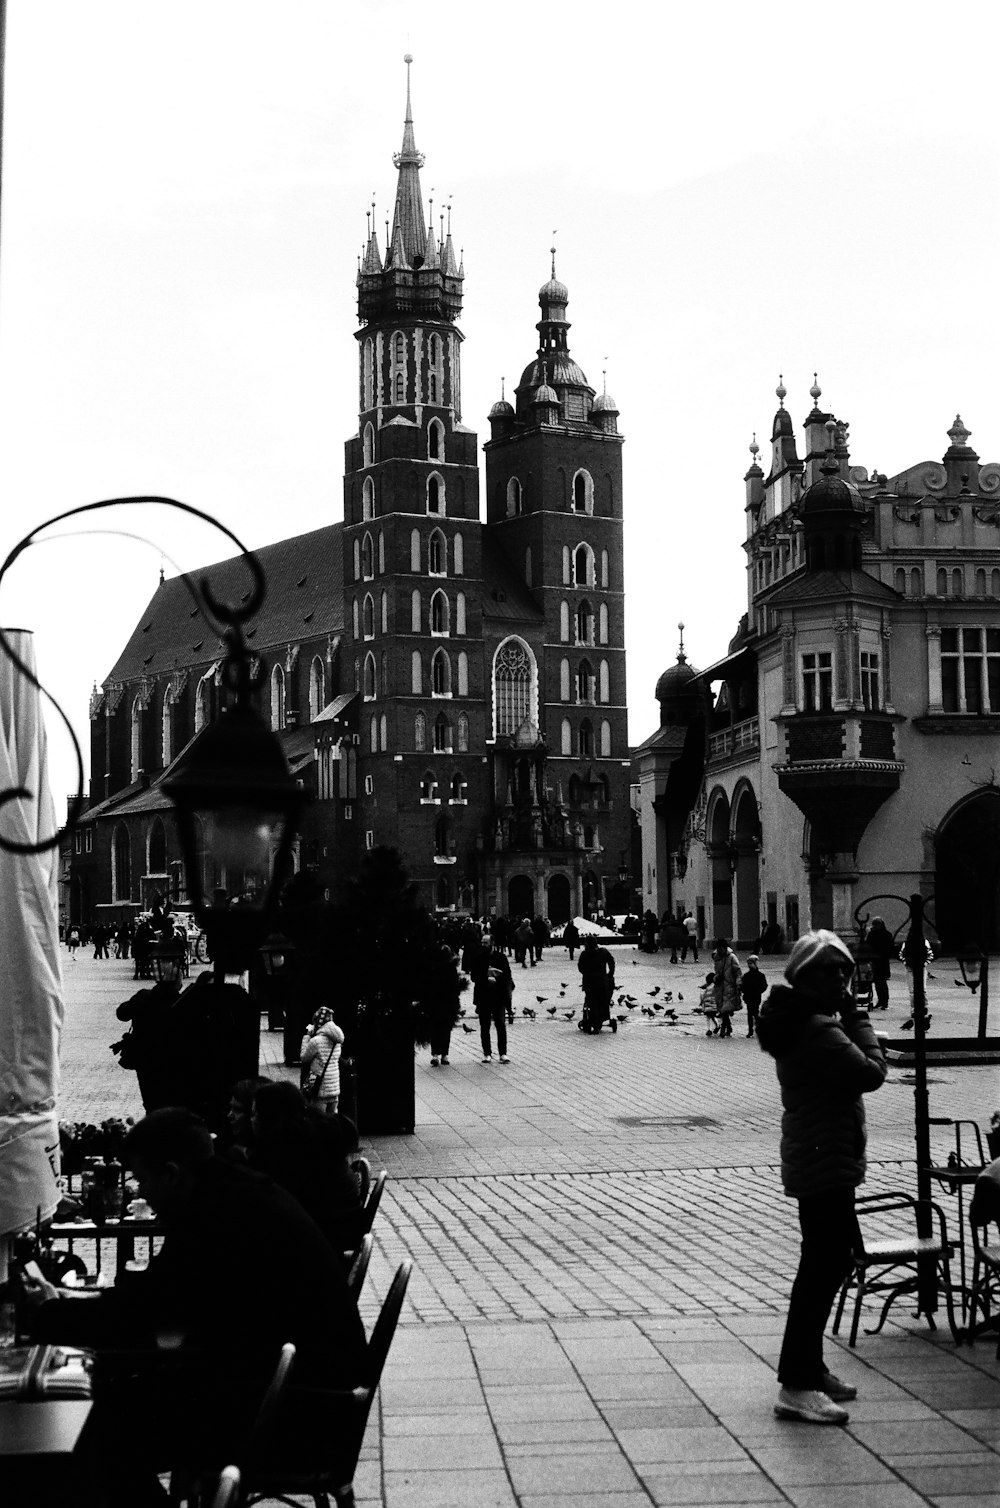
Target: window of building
{"type": "Point", "coordinates": [416, 673]}
{"type": "Point", "coordinates": [459, 791]}
{"type": "Point", "coordinates": [437, 554]}
{"type": "Point", "coordinates": [460, 613]}
{"type": "Point", "coordinates": [372, 739]}
{"type": "Point", "coordinates": [381, 552]}
{"type": "Point", "coordinates": [916, 582]}
{"type": "Point", "coordinates": [440, 614]}
{"type": "Point", "coordinates": [442, 734]}
{"type": "Point", "coordinates": [604, 569]}
{"type": "Point", "coordinates": [463, 733]}
{"type": "Point", "coordinates": [368, 616]}
{"type": "Point", "coordinates": [369, 839]}
{"type": "Point", "coordinates": [121, 864]}
{"type": "Point", "coordinates": [942, 582]}
{"type": "Point", "coordinates": [442, 838]}
{"type": "Point", "coordinates": [958, 582]}
{"type": "Point", "coordinates": [463, 673]}
{"type": "Point", "coordinates": [583, 493]}
{"type": "Point", "coordinates": [586, 739]}
{"type": "Point", "coordinates": [817, 682]}
{"type": "Point", "coordinates": [458, 555]}
{"type": "Point", "coordinates": [583, 566]}
{"type": "Point", "coordinates": [368, 499]}
{"type": "Point", "coordinates": [88, 840]}
{"type": "Point", "coordinates": [78, 841]}
{"type": "Point", "coordinates": [900, 581]}
{"type": "Point", "coordinates": [369, 785]}
{"type": "Point", "coordinates": [277, 698]}
{"type": "Point", "coordinates": [203, 703]}
{"type": "Point", "coordinates": [980, 582]}
{"type": "Point", "coordinates": [564, 680]}
{"type": "Point", "coordinates": [869, 681]}
{"type": "Point", "coordinates": [368, 441]}
{"type": "Point", "coordinates": [514, 686]}
{"type": "Point", "coordinates": [970, 669]}
{"type": "Point", "coordinates": [435, 440]}
{"type": "Point", "coordinates": [428, 788]}
{"type": "Point", "coordinates": [584, 623]}
{"type": "Point", "coordinates": [135, 759]}
{"type": "Point", "coordinates": [367, 558]}
{"type": "Point", "coordinates": [604, 682]}
{"type": "Point", "coordinates": [435, 494]}
{"type": "Point", "coordinates": [357, 560]}
{"type": "Point", "coordinates": [602, 616]}
{"type": "Point", "coordinates": [370, 687]}
{"type": "Point", "coordinates": [584, 682]}
{"type": "Point", "coordinates": [367, 369]}
{"type": "Point", "coordinates": [513, 497]}
{"type": "Point", "coordinates": [415, 614]}
{"type": "Point", "coordinates": [317, 688]}
{"type": "Point", "coordinates": [564, 622]}
{"type": "Point", "coordinates": [419, 733]}
{"type": "Point", "coordinates": [415, 550]}
{"type": "Point", "coordinates": [384, 613]}
{"type": "Point", "coordinates": [440, 674]}
{"type": "Point", "coordinates": [605, 748]}
{"type": "Point", "coordinates": [383, 729]}
{"type": "Point", "coordinates": [356, 618]}
{"type": "Point", "coordinates": [565, 737]}
{"type": "Point", "coordinates": [167, 727]}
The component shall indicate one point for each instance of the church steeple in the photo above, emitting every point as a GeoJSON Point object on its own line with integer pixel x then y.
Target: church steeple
{"type": "Point", "coordinates": [408, 216]}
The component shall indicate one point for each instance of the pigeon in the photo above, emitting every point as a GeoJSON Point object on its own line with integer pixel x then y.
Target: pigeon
{"type": "Point", "coordinates": [541, 999]}
{"type": "Point", "coordinates": [569, 1015]}
{"type": "Point", "coordinates": [630, 1005]}
{"type": "Point", "coordinates": [670, 1012]}
{"type": "Point", "coordinates": [669, 995]}
{"type": "Point", "coordinates": [527, 1011]}
{"type": "Point", "coordinates": [622, 1018]}
{"type": "Point", "coordinates": [551, 1010]}
{"type": "Point", "coordinates": [959, 983]}
{"type": "Point", "coordinates": [679, 995]}
{"type": "Point", "coordinates": [930, 975]}
{"type": "Point", "coordinates": [654, 991]}
{"type": "Point", "coordinates": [647, 1010]}
{"type": "Point", "coordinates": [467, 1028]}
{"type": "Point", "coordinates": [563, 985]}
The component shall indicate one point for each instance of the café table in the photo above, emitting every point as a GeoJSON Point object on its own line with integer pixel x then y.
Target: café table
{"type": "Point", "coordinates": [37, 1441]}
{"type": "Point", "coordinates": [955, 1180]}
{"type": "Point", "coordinates": [124, 1233]}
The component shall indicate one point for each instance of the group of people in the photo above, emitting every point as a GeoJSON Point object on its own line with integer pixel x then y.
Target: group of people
{"type": "Point", "coordinates": [728, 987]}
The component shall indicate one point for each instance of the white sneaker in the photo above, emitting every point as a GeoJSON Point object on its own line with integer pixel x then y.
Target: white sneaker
{"type": "Point", "coordinates": [504, 1058]}
{"type": "Point", "coordinates": [488, 1058]}
{"type": "Point", "coordinates": [809, 1406]}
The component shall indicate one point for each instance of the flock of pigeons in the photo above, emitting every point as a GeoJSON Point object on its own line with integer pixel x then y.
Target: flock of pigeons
{"type": "Point", "coordinates": [660, 1009]}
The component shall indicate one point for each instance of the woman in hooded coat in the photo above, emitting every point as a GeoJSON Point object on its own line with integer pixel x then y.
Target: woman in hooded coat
{"type": "Point", "coordinates": [827, 1057]}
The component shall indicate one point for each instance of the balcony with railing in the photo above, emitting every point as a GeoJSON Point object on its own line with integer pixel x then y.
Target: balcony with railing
{"type": "Point", "coordinates": [741, 739]}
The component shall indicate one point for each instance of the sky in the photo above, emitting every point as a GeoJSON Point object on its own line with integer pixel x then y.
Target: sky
{"type": "Point", "coordinates": [734, 190]}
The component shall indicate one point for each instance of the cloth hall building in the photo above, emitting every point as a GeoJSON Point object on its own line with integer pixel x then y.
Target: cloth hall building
{"type": "Point", "coordinates": [443, 683]}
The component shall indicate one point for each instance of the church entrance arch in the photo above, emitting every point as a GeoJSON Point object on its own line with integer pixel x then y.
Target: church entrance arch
{"type": "Point", "coordinates": [559, 900]}
{"type": "Point", "coordinates": [719, 849]}
{"type": "Point", "coordinates": [967, 874]}
{"type": "Point", "coordinates": [520, 896]}
{"type": "Point", "coordinates": [747, 841]}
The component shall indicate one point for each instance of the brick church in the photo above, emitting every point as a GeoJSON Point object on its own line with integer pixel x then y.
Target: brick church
{"type": "Point", "coordinates": [450, 686]}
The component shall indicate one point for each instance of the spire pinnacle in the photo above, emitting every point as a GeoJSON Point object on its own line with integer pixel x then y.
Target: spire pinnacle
{"type": "Point", "coordinates": [781, 392]}
{"type": "Point", "coordinates": [408, 217]}
{"type": "Point", "coordinates": [681, 656]}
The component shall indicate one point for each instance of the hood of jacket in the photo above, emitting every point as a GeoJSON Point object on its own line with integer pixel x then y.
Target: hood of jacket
{"type": "Point", "coordinates": [786, 1018]}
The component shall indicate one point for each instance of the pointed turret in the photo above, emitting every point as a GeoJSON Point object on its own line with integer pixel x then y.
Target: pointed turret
{"type": "Point", "coordinates": [408, 215]}
{"type": "Point", "coordinates": [553, 366]}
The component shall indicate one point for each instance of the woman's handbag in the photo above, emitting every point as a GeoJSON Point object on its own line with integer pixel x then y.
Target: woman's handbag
{"type": "Point", "coordinates": [310, 1087]}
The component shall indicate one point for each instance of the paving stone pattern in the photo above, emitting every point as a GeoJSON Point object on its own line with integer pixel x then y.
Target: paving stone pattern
{"type": "Point", "coordinates": [603, 1256]}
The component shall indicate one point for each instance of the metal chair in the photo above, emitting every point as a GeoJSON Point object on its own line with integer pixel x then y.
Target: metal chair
{"type": "Point", "coordinates": [190, 1482]}
{"type": "Point", "coordinates": [984, 1290]}
{"type": "Point", "coordinates": [356, 1276]}
{"type": "Point", "coordinates": [362, 1170]}
{"type": "Point", "coordinates": [344, 1417]}
{"type": "Point", "coordinates": [890, 1265]}
{"type": "Point", "coordinates": [363, 1220]}
{"type": "Point", "coordinates": [227, 1494]}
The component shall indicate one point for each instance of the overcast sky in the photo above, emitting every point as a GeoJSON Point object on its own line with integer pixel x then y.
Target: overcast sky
{"type": "Point", "coordinates": [737, 190]}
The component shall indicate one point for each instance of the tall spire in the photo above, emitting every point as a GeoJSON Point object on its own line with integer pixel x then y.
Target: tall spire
{"type": "Point", "coordinates": [408, 216]}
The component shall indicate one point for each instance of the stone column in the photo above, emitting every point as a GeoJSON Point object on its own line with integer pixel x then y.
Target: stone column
{"type": "Point", "coordinates": [934, 698]}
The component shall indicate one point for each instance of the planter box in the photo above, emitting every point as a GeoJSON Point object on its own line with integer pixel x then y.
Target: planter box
{"type": "Point", "coordinates": [386, 1092]}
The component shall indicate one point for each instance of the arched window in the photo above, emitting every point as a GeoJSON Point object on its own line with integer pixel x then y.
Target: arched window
{"type": "Point", "coordinates": [368, 441]}
{"type": "Point", "coordinates": [317, 688]}
{"type": "Point", "coordinates": [442, 734]}
{"type": "Point", "coordinates": [442, 838]}
{"type": "Point", "coordinates": [416, 673]}
{"type": "Point", "coordinates": [584, 682]}
{"type": "Point", "coordinates": [415, 550]}
{"type": "Point", "coordinates": [440, 674]}
{"type": "Point", "coordinates": [942, 582]}
{"type": "Point", "coordinates": [459, 791]}
{"type": "Point", "coordinates": [415, 611]}
{"type": "Point", "coordinates": [527, 565]}
{"type": "Point", "coordinates": [428, 787]}
{"type": "Point", "coordinates": [586, 739]}
{"type": "Point", "coordinates": [980, 583]}
{"type": "Point", "coordinates": [156, 852]}
{"type": "Point", "coordinates": [995, 583]}
{"type": "Point", "coordinates": [605, 749]}
{"type": "Point", "coordinates": [419, 733]}
{"type": "Point", "coordinates": [567, 567]}
{"type": "Point", "coordinates": [565, 737]}
{"type": "Point", "coordinates": [901, 581]}
{"type": "Point", "coordinates": [384, 612]}
{"type": "Point", "coordinates": [917, 582]}
{"type": "Point", "coordinates": [368, 616]}
{"type": "Point", "coordinates": [463, 673]}
{"type": "Point", "coordinates": [435, 494]}
{"type": "Point", "coordinates": [383, 727]}
{"type": "Point", "coordinates": [369, 682]}
{"type": "Point", "coordinates": [400, 387]}
{"type": "Point", "coordinates": [121, 862]}
{"type": "Point", "coordinates": [458, 551]}
{"type": "Point", "coordinates": [167, 723]}
{"type": "Point", "coordinates": [203, 703]}
{"type": "Point", "coordinates": [514, 499]}
{"type": "Point", "coordinates": [602, 618]}
{"type": "Point", "coordinates": [367, 558]}
{"type": "Point", "coordinates": [136, 743]}
{"type": "Point", "coordinates": [277, 698]}
{"type": "Point", "coordinates": [381, 552]}
{"type": "Point", "coordinates": [564, 622]}
{"type": "Point", "coordinates": [434, 369]}
{"type": "Point", "coordinates": [356, 618]}
{"type": "Point", "coordinates": [575, 791]}
{"type": "Point", "coordinates": [368, 396]}
{"type": "Point", "coordinates": [383, 671]}
{"type": "Point", "coordinates": [583, 566]}
{"type": "Point", "coordinates": [604, 568]}
{"type": "Point", "coordinates": [440, 613]}
{"type": "Point", "coordinates": [604, 682]}
{"type": "Point", "coordinates": [357, 560]}
{"type": "Point", "coordinates": [515, 687]}
{"type": "Point", "coordinates": [368, 498]}
{"type": "Point", "coordinates": [463, 734]}
{"type": "Point", "coordinates": [958, 582]}
{"type": "Point", "coordinates": [435, 440]}
{"type": "Point", "coordinates": [399, 367]}
{"type": "Point", "coordinates": [583, 493]}
{"type": "Point", "coordinates": [373, 734]}
{"type": "Point", "coordinates": [437, 554]}
{"type": "Point", "coordinates": [460, 613]}
{"type": "Point", "coordinates": [584, 624]}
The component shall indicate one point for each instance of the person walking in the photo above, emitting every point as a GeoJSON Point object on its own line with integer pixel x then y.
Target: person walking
{"type": "Point", "coordinates": [492, 988]}
{"type": "Point", "coordinates": [597, 970]}
{"type": "Point", "coordinates": [442, 989]}
{"type": "Point", "coordinates": [571, 937]}
{"type": "Point", "coordinates": [539, 936]}
{"type": "Point", "coordinates": [690, 937]}
{"type": "Point", "coordinates": [752, 987]}
{"type": "Point", "coordinates": [708, 1006]}
{"type": "Point", "coordinates": [524, 942]}
{"type": "Point", "coordinates": [878, 941]}
{"type": "Point", "coordinates": [727, 985]}
{"type": "Point", "coordinates": [827, 1056]}
{"type": "Point", "coordinates": [320, 1060]}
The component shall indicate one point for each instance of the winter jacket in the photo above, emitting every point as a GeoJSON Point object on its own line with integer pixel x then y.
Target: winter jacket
{"type": "Point", "coordinates": [727, 984]}
{"type": "Point", "coordinates": [752, 987]}
{"type": "Point", "coordinates": [324, 1044]}
{"type": "Point", "coordinates": [825, 1064]}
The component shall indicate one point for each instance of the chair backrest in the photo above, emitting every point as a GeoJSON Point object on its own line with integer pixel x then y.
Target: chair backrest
{"type": "Point", "coordinates": [374, 1199]}
{"type": "Point", "coordinates": [362, 1170]}
{"type": "Point", "coordinates": [228, 1491]}
{"type": "Point", "coordinates": [264, 1423]}
{"type": "Point", "coordinates": [356, 1276]}
{"type": "Point", "coordinates": [385, 1325]}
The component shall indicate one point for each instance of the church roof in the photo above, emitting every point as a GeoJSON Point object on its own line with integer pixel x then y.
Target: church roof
{"type": "Point", "coordinates": [305, 598]}
{"type": "Point", "coordinates": [505, 596]}
{"type": "Point", "coordinates": [822, 585]}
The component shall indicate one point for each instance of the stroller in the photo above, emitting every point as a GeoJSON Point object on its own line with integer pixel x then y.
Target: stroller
{"type": "Point", "coordinates": [597, 1010]}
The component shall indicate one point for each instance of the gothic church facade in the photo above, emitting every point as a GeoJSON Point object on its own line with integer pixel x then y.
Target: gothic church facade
{"type": "Point", "coordinates": [444, 684]}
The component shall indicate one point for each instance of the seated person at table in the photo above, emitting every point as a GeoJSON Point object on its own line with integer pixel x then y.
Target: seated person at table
{"type": "Point", "coordinates": [306, 1153]}
{"type": "Point", "coordinates": [985, 1206]}
{"type": "Point", "coordinates": [238, 1142]}
{"type": "Point", "coordinates": [242, 1270]}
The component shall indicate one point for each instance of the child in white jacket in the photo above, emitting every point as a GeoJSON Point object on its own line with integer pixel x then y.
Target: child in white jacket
{"type": "Point", "coordinates": [320, 1055]}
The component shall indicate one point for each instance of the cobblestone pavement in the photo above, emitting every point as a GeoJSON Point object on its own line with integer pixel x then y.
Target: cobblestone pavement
{"type": "Point", "coordinates": [602, 1261]}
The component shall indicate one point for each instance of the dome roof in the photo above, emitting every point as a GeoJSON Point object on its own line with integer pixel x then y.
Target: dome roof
{"type": "Point", "coordinates": [604, 404]}
{"type": "Point", "coordinates": [558, 368]}
{"type": "Point", "coordinates": [546, 394]}
{"type": "Point", "coordinates": [674, 680]}
{"type": "Point", "coordinates": [502, 409]}
{"type": "Point", "coordinates": [553, 292]}
{"type": "Point", "coordinates": [831, 494]}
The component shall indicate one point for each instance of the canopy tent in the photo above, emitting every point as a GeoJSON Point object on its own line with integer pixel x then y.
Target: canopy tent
{"type": "Point", "coordinates": [31, 1003]}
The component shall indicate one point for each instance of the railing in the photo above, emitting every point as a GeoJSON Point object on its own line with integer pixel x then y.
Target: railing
{"type": "Point", "coordinates": [734, 740]}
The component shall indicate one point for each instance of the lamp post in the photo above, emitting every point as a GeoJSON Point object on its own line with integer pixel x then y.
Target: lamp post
{"type": "Point", "coordinates": [975, 967]}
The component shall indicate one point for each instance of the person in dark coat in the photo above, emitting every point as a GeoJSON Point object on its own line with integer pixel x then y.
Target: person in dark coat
{"type": "Point", "coordinates": [149, 1043]}
{"type": "Point", "coordinates": [242, 1270]}
{"type": "Point", "coordinates": [878, 941]}
{"type": "Point", "coordinates": [493, 986]}
{"type": "Point", "coordinates": [540, 936]}
{"type": "Point", "coordinates": [597, 971]}
{"type": "Point", "coordinates": [306, 1153]}
{"type": "Point", "coordinates": [752, 987]}
{"type": "Point", "coordinates": [571, 937]}
{"type": "Point", "coordinates": [827, 1056]}
{"type": "Point", "coordinates": [441, 991]}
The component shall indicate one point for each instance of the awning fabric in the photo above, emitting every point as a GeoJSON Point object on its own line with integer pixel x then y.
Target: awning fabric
{"type": "Point", "coordinates": [31, 999]}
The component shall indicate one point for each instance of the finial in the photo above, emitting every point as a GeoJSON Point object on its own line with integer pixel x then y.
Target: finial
{"type": "Point", "coordinates": [503, 390]}
{"type": "Point", "coordinates": [815, 392]}
{"type": "Point", "coordinates": [430, 213]}
{"type": "Point", "coordinates": [604, 374]}
{"type": "Point", "coordinates": [958, 434]}
{"type": "Point", "coordinates": [553, 251]}
{"type": "Point", "coordinates": [681, 656]}
{"type": "Point", "coordinates": [408, 59]}
{"type": "Point", "coordinates": [449, 214]}
{"type": "Point", "coordinates": [781, 392]}
{"type": "Point", "coordinates": [754, 448]}
{"type": "Point", "coordinates": [831, 433]}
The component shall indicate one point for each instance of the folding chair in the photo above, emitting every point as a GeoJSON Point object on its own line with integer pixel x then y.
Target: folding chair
{"type": "Point", "coordinates": [890, 1265]}
{"type": "Point", "coordinates": [356, 1276]}
{"type": "Point", "coordinates": [344, 1418]}
{"type": "Point", "coordinates": [365, 1216]}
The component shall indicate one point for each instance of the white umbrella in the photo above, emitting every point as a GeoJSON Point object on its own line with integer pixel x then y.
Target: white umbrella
{"type": "Point", "coordinates": [31, 1003]}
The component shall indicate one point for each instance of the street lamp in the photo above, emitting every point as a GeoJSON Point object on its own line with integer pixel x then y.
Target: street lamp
{"type": "Point", "coordinates": [975, 968]}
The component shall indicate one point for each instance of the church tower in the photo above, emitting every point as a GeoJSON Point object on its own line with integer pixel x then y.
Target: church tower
{"type": "Point", "coordinates": [554, 505]}
{"type": "Point", "coordinates": [412, 550]}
